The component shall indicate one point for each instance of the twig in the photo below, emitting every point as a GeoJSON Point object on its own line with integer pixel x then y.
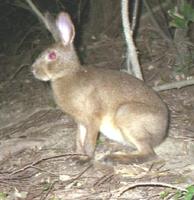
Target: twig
{"type": "Point", "coordinates": [150, 184]}
{"type": "Point", "coordinates": [174, 85]}
{"type": "Point", "coordinates": [43, 159]}
{"type": "Point", "coordinates": [131, 51]}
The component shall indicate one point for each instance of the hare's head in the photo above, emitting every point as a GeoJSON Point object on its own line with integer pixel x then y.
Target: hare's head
{"type": "Point", "coordinates": [60, 58]}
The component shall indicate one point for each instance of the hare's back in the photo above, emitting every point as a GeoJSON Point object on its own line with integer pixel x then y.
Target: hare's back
{"type": "Point", "coordinates": [120, 85]}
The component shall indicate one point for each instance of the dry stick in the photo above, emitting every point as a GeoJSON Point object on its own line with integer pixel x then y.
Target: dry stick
{"type": "Point", "coordinates": [145, 184]}
{"type": "Point", "coordinates": [131, 51]}
{"type": "Point", "coordinates": [174, 85]}
{"type": "Point", "coordinates": [44, 159]}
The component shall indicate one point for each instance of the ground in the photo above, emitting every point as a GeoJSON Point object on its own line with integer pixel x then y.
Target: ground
{"type": "Point", "coordinates": [37, 139]}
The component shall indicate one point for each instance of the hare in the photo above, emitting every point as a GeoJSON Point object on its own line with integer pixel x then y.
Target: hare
{"type": "Point", "coordinates": [112, 102]}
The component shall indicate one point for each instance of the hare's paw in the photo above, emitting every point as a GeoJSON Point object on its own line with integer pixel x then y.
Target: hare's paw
{"type": "Point", "coordinates": [115, 159]}
{"type": "Point", "coordinates": [80, 159]}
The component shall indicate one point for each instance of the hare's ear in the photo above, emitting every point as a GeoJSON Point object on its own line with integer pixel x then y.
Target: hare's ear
{"type": "Point", "coordinates": [66, 28]}
{"type": "Point", "coordinates": [51, 26]}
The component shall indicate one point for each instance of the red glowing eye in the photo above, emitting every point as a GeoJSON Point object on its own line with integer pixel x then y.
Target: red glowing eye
{"type": "Point", "coordinates": [52, 55]}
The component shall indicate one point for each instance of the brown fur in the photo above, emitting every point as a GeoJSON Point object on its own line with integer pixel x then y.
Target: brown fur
{"type": "Point", "coordinates": [113, 102]}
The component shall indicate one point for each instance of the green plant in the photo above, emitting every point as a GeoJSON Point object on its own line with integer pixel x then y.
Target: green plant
{"type": "Point", "coordinates": [181, 16]}
{"type": "Point", "coordinates": [3, 196]}
{"type": "Point", "coordinates": [164, 194]}
{"type": "Point", "coordinates": [179, 195]}
{"type": "Point", "coordinates": [190, 193]}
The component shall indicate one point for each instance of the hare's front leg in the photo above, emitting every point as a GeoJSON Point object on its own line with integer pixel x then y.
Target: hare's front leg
{"type": "Point", "coordinates": [86, 139]}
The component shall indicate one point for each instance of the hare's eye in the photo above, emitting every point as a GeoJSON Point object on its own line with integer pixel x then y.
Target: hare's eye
{"type": "Point", "coordinates": [52, 55]}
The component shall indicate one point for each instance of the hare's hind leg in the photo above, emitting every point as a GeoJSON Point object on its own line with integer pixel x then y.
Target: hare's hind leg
{"type": "Point", "coordinates": [139, 126]}
{"type": "Point", "coordinates": [146, 153]}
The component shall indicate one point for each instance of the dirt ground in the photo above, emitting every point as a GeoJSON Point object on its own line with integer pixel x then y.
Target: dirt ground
{"type": "Point", "coordinates": [37, 140]}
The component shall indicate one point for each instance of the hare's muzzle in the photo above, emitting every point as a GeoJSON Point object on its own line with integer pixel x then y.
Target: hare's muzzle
{"type": "Point", "coordinates": [34, 71]}
{"type": "Point", "coordinates": [39, 73]}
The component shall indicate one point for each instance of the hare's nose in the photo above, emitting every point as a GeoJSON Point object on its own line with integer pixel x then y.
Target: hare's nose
{"type": "Point", "coordinates": [33, 70]}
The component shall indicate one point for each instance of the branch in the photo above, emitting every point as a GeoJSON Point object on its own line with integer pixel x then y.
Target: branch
{"type": "Point", "coordinates": [174, 85]}
{"type": "Point", "coordinates": [131, 51]}
{"type": "Point", "coordinates": [43, 159]}
{"type": "Point", "coordinates": [147, 184]}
